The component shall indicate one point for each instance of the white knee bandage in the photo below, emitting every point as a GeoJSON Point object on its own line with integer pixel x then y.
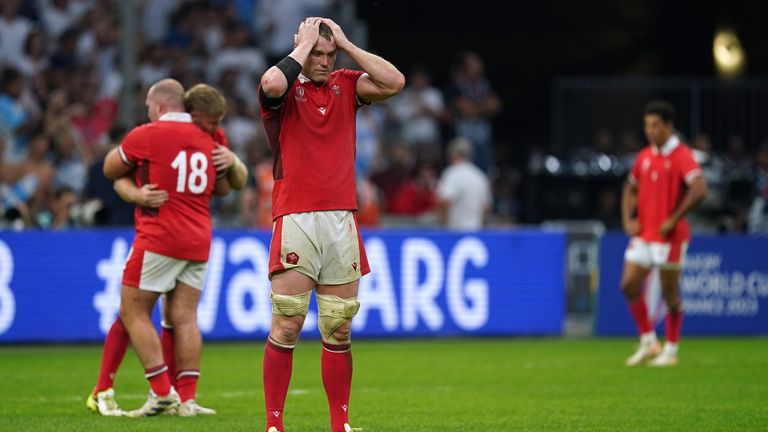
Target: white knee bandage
{"type": "Point", "coordinates": [290, 305]}
{"type": "Point", "coordinates": [333, 312]}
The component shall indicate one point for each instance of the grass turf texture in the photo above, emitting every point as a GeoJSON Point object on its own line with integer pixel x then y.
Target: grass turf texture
{"type": "Point", "coordinates": [419, 385]}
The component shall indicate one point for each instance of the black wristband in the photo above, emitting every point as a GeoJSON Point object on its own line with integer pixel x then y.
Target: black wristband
{"type": "Point", "coordinates": [290, 68]}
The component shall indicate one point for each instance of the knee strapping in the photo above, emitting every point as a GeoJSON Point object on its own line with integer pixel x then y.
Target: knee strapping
{"type": "Point", "coordinates": [333, 312]}
{"type": "Point", "coordinates": [290, 305]}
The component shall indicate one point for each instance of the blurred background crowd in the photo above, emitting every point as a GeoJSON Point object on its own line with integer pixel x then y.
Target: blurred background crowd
{"type": "Point", "coordinates": [65, 100]}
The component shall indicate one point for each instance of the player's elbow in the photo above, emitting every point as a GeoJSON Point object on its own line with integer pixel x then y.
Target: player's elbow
{"type": "Point", "coordinates": [397, 83]}
{"type": "Point", "coordinates": [273, 83]}
{"type": "Point", "coordinates": [110, 172]}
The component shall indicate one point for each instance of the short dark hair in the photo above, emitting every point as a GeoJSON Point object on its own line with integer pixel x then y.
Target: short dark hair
{"type": "Point", "coordinates": [8, 75]}
{"type": "Point", "coordinates": [661, 108]}
{"type": "Point", "coordinates": [325, 31]}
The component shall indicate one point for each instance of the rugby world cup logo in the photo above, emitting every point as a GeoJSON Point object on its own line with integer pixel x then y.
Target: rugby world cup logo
{"type": "Point", "coordinates": [299, 96]}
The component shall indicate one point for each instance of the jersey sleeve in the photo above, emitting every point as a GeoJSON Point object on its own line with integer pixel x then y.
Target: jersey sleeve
{"type": "Point", "coordinates": [688, 168]}
{"type": "Point", "coordinates": [134, 147]}
{"type": "Point", "coordinates": [350, 77]}
{"type": "Point", "coordinates": [220, 137]}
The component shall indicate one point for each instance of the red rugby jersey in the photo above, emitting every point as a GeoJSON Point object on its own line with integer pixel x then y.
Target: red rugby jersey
{"type": "Point", "coordinates": [661, 177]}
{"type": "Point", "coordinates": [176, 155]}
{"type": "Point", "coordinates": [312, 134]}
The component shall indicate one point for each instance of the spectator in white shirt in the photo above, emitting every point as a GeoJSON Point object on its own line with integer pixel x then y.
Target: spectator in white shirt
{"type": "Point", "coordinates": [419, 108]}
{"type": "Point", "coordinates": [464, 191]}
{"type": "Point", "coordinates": [60, 15]}
{"type": "Point", "coordinates": [14, 30]}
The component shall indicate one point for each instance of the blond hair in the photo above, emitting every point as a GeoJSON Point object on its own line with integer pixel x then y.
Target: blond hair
{"type": "Point", "coordinates": [206, 100]}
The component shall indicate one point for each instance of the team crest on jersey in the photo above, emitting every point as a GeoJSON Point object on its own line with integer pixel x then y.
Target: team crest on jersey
{"type": "Point", "coordinates": [336, 90]}
{"type": "Point", "coordinates": [292, 258]}
{"type": "Point", "coordinates": [300, 97]}
{"type": "Point", "coordinates": [646, 164]}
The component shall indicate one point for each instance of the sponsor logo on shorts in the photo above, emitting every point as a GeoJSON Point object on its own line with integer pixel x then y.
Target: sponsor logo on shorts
{"type": "Point", "coordinates": [354, 266]}
{"type": "Point", "coordinates": [292, 258]}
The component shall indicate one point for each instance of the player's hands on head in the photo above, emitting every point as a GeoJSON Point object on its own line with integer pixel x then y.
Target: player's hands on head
{"type": "Point", "coordinates": [223, 158]}
{"type": "Point", "coordinates": [632, 227]}
{"type": "Point", "coordinates": [309, 32]}
{"type": "Point", "coordinates": [338, 34]}
{"type": "Point", "coordinates": [151, 196]}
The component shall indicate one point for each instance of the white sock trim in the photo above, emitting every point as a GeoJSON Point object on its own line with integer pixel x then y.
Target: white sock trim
{"type": "Point", "coordinates": [156, 373]}
{"type": "Point", "coordinates": [192, 373]}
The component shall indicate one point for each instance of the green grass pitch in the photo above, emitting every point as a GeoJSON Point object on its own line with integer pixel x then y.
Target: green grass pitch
{"type": "Point", "coordinates": [516, 384]}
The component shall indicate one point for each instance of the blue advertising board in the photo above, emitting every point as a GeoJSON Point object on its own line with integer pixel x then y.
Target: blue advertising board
{"type": "Point", "coordinates": [65, 286]}
{"type": "Point", "coordinates": [724, 286]}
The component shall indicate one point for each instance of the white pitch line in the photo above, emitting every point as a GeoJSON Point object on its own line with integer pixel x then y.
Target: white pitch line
{"type": "Point", "coordinates": [142, 396]}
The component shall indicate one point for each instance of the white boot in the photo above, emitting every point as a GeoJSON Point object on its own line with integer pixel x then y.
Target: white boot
{"type": "Point", "coordinates": [668, 356]}
{"type": "Point", "coordinates": [648, 348]}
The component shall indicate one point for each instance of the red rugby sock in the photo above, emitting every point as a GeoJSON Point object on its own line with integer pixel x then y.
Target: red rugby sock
{"type": "Point", "coordinates": [336, 364]}
{"type": "Point", "coordinates": [187, 384]}
{"type": "Point", "coordinates": [673, 325]}
{"type": "Point", "coordinates": [278, 364]}
{"type": "Point", "coordinates": [115, 345]}
{"type": "Point", "coordinates": [640, 313]}
{"type": "Point", "coordinates": [158, 379]}
{"type": "Point", "coordinates": [169, 352]}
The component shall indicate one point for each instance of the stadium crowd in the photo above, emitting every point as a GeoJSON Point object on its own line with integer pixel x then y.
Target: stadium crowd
{"type": "Point", "coordinates": [61, 83]}
{"type": "Point", "coordinates": [736, 180]}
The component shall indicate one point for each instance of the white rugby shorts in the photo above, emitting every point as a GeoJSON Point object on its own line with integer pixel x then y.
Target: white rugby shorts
{"type": "Point", "coordinates": [149, 271]}
{"type": "Point", "coordinates": [648, 254]}
{"type": "Point", "coordinates": [324, 245]}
